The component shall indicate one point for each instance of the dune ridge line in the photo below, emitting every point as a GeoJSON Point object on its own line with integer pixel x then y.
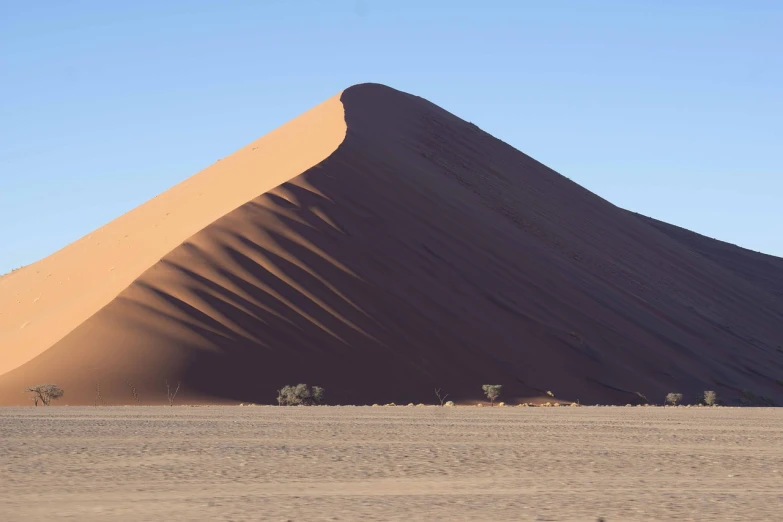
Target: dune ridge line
{"type": "Point", "coordinates": [43, 301]}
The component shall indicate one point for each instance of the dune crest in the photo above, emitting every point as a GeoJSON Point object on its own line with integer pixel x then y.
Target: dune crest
{"type": "Point", "coordinates": [42, 302]}
{"type": "Point", "coordinates": [412, 251]}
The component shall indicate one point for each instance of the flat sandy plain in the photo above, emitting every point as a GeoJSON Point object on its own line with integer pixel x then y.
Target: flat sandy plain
{"type": "Point", "coordinates": [390, 463]}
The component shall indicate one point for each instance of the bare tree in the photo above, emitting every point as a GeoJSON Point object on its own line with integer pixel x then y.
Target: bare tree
{"type": "Point", "coordinates": [171, 395]}
{"type": "Point", "coordinates": [98, 397]}
{"type": "Point", "coordinates": [45, 393]}
{"type": "Point", "coordinates": [133, 390]}
{"type": "Point", "coordinates": [492, 391]}
{"type": "Point", "coordinates": [441, 398]}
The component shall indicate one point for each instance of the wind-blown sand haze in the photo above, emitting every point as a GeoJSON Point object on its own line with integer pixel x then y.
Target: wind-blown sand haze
{"type": "Point", "coordinates": [379, 246]}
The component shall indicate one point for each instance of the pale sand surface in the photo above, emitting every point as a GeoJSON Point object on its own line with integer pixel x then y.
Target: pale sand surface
{"type": "Point", "coordinates": [361, 463]}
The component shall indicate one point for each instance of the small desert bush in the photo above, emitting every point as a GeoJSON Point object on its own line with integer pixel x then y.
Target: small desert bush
{"type": "Point", "coordinates": [317, 394]}
{"type": "Point", "coordinates": [492, 391]}
{"type": "Point", "coordinates": [45, 393]}
{"type": "Point", "coordinates": [300, 394]}
{"type": "Point", "coordinates": [673, 398]}
{"type": "Point", "coordinates": [710, 398]}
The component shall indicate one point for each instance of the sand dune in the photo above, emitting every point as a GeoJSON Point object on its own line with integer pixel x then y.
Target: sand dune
{"type": "Point", "coordinates": [380, 246]}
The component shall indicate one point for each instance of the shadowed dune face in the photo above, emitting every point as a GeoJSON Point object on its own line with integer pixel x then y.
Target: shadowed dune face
{"type": "Point", "coordinates": [760, 269]}
{"type": "Point", "coordinates": [425, 253]}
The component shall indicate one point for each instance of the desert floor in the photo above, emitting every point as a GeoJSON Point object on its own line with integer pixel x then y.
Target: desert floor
{"type": "Point", "coordinates": [390, 463]}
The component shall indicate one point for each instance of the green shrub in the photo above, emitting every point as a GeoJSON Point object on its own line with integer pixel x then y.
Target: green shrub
{"type": "Point", "coordinates": [710, 398]}
{"type": "Point", "coordinates": [492, 391]}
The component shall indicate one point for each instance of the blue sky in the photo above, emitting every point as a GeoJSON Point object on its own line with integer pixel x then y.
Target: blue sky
{"type": "Point", "coordinates": [673, 109]}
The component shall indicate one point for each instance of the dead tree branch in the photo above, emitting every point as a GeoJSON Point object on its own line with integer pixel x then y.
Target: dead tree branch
{"type": "Point", "coordinates": [171, 395]}
{"type": "Point", "coordinates": [443, 398]}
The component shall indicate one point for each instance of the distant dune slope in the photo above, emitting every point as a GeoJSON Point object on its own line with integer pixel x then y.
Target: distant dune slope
{"type": "Point", "coordinates": [419, 253]}
{"type": "Point", "coordinates": [760, 269]}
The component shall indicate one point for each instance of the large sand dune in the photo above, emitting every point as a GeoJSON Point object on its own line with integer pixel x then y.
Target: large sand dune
{"type": "Point", "coordinates": [380, 246]}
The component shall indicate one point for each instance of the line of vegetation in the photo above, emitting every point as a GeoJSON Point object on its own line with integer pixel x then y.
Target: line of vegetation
{"type": "Point", "coordinates": [304, 395]}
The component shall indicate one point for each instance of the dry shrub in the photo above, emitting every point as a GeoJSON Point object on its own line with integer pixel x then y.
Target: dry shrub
{"type": "Point", "coordinates": [492, 391]}
{"type": "Point", "coordinates": [673, 398]}
{"type": "Point", "coordinates": [300, 394]}
{"type": "Point", "coordinates": [45, 393]}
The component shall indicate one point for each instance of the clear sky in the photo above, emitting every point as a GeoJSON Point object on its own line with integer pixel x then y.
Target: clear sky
{"type": "Point", "coordinates": [669, 108]}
